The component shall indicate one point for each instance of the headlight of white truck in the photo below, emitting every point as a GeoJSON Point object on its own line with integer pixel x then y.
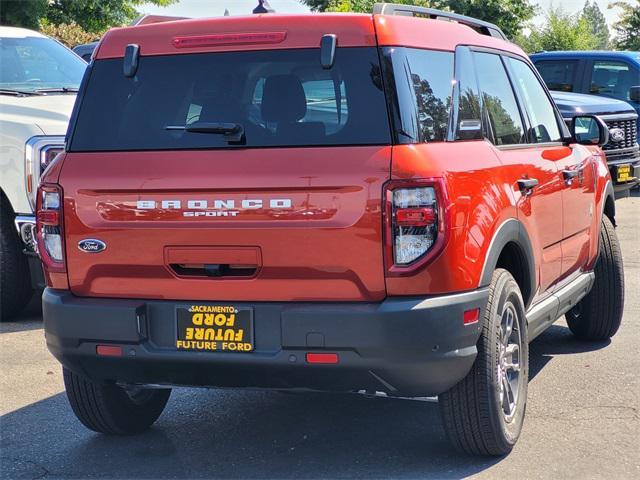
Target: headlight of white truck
{"type": "Point", "coordinates": [38, 154]}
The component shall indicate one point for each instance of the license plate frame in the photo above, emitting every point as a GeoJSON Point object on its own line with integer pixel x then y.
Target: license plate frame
{"type": "Point", "coordinates": [623, 173]}
{"type": "Point", "coordinates": [214, 328]}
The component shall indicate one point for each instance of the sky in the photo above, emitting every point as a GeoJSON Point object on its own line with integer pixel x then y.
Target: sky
{"type": "Point", "coordinates": [212, 8]}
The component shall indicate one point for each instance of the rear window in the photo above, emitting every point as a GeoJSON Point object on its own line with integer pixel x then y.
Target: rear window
{"type": "Point", "coordinates": [279, 98]}
{"type": "Point", "coordinates": [558, 74]}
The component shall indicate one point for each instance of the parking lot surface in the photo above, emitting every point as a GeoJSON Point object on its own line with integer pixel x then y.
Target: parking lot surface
{"type": "Point", "coordinates": [582, 418]}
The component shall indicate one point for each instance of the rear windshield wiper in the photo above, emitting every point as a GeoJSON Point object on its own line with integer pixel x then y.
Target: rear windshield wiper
{"type": "Point", "coordinates": [233, 132]}
{"type": "Point", "coordinates": [18, 93]}
{"type": "Point", "coordinates": [57, 90]}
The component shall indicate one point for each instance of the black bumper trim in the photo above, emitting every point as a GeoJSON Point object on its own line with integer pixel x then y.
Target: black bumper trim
{"type": "Point", "coordinates": [401, 346]}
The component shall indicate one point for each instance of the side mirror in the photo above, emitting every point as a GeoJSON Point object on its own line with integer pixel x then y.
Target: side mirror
{"type": "Point", "coordinates": [634, 94]}
{"type": "Point", "coordinates": [589, 130]}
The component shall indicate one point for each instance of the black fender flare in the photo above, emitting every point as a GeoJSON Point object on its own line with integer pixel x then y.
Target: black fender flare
{"type": "Point", "coordinates": [511, 230]}
{"type": "Point", "coordinates": [609, 193]}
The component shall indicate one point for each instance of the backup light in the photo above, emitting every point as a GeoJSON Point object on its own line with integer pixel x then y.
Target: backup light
{"type": "Point", "coordinates": [49, 227]}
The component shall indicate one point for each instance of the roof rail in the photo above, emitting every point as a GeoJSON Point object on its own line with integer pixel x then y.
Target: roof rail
{"type": "Point", "coordinates": [480, 26]}
{"type": "Point", "coordinates": [147, 19]}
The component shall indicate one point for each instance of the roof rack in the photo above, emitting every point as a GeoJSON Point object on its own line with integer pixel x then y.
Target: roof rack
{"type": "Point", "coordinates": [480, 26]}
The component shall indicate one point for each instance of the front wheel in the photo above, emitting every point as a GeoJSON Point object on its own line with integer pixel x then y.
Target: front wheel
{"type": "Point", "coordinates": [111, 409]}
{"type": "Point", "coordinates": [15, 279]}
{"type": "Point", "coordinates": [599, 314]}
{"type": "Point", "coordinates": [483, 414]}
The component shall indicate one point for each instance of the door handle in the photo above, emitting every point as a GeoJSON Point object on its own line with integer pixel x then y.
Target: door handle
{"type": "Point", "coordinates": [569, 174]}
{"type": "Point", "coordinates": [526, 185]}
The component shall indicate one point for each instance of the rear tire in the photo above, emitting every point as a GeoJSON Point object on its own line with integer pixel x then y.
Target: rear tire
{"type": "Point", "coordinates": [599, 314]}
{"type": "Point", "coordinates": [483, 414]}
{"type": "Point", "coordinates": [110, 409]}
{"type": "Point", "coordinates": [15, 279]}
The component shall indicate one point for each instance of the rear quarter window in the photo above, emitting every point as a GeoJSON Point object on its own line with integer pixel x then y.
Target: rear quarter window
{"type": "Point", "coordinates": [280, 98]}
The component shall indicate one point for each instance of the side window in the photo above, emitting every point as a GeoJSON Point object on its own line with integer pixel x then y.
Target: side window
{"type": "Point", "coordinates": [469, 119]}
{"type": "Point", "coordinates": [613, 79]}
{"type": "Point", "coordinates": [499, 101]}
{"type": "Point", "coordinates": [542, 116]}
{"type": "Point", "coordinates": [431, 76]}
{"type": "Point", "coordinates": [422, 81]}
{"type": "Point", "coordinates": [558, 74]}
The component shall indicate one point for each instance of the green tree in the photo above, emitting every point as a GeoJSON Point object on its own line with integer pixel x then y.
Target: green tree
{"type": "Point", "coordinates": [509, 15]}
{"type": "Point", "coordinates": [96, 15]}
{"type": "Point", "coordinates": [22, 13]}
{"type": "Point", "coordinates": [91, 15]}
{"type": "Point", "coordinates": [597, 24]}
{"type": "Point", "coordinates": [627, 28]}
{"type": "Point", "coordinates": [561, 31]}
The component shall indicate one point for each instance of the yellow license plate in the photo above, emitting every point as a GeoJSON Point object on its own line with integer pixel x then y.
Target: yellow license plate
{"type": "Point", "coordinates": [214, 328]}
{"type": "Point", "coordinates": [624, 173]}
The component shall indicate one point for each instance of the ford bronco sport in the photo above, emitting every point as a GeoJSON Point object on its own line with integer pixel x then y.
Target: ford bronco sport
{"type": "Point", "coordinates": [380, 203]}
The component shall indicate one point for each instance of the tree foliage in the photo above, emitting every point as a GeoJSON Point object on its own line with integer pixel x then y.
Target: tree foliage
{"type": "Point", "coordinates": [509, 15]}
{"type": "Point", "coordinates": [22, 13]}
{"type": "Point", "coordinates": [561, 31]}
{"type": "Point", "coordinates": [71, 34]}
{"type": "Point", "coordinates": [597, 24]}
{"type": "Point", "coordinates": [93, 16]}
{"type": "Point", "coordinates": [627, 28]}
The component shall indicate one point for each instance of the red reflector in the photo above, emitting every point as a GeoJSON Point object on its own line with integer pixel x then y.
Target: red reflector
{"type": "Point", "coordinates": [415, 217]}
{"type": "Point", "coordinates": [109, 350]}
{"type": "Point", "coordinates": [48, 217]}
{"type": "Point", "coordinates": [471, 316]}
{"type": "Point", "coordinates": [322, 358]}
{"type": "Point", "coordinates": [228, 39]}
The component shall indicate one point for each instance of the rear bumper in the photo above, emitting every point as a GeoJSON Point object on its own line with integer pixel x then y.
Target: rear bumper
{"type": "Point", "coordinates": [406, 346]}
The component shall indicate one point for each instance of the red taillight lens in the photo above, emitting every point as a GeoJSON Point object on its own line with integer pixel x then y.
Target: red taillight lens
{"type": "Point", "coordinates": [49, 227]}
{"type": "Point", "coordinates": [414, 223]}
{"type": "Point", "coordinates": [416, 217]}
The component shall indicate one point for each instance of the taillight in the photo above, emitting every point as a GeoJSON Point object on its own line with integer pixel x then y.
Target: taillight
{"type": "Point", "coordinates": [49, 227]}
{"type": "Point", "coordinates": [415, 227]}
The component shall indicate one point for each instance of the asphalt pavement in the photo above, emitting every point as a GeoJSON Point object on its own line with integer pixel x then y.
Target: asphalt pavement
{"type": "Point", "coordinates": [582, 418]}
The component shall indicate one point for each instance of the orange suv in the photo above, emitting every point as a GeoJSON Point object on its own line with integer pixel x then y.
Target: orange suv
{"type": "Point", "coordinates": [386, 203]}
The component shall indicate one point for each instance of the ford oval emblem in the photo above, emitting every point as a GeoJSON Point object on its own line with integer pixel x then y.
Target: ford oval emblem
{"type": "Point", "coordinates": [91, 245]}
{"type": "Point", "coordinates": [617, 134]}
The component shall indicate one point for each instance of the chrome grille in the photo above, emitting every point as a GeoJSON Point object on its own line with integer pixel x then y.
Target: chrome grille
{"type": "Point", "coordinates": [630, 128]}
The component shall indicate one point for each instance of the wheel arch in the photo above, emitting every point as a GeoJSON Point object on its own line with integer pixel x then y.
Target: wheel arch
{"type": "Point", "coordinates": [609, 203]}
{"type": "Point", "coordinates": [510, 248]}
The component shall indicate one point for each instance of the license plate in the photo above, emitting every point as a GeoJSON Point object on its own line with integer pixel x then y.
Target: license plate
{"type": "Point", "coordinates": [624, 173]}
{"type": "Point", "coordinates": [214, 328]}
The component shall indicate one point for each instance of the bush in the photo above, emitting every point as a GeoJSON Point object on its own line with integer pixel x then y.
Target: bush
{"type": "Point", "coordinates": [71, 34]}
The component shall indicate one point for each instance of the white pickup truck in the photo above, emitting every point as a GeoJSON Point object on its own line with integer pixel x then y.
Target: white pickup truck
{"type": "Point", "coordinates": [39, 80]}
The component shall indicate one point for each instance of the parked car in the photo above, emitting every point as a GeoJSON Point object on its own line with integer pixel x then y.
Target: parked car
{"type": "Point", "coordinates": [622, 150]}
{"type": "Point", "coordinates": [275, 206]}
{"type": "Point", "coordinates": [85, 50]}
{"type": "Point", "coordinates": [604, 73]}
{"type": "Point", "coordinates": [39, 80]}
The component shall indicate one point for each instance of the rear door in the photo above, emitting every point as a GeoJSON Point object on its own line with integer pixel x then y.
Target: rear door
{"type": "Point", "coordinates": [243, 175]}
{"type": "Point", "coordinates": [539, 207]}
{"type": "Point", "coordinates": [575, 166]}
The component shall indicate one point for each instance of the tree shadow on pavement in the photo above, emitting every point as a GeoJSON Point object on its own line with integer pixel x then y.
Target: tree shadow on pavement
{"type": "Point", "coordinates": [557, 340]}
{"type": "Point", "coordinates": [254, 434]}
{"type": "Point", "coordinates": [29, 319]}
{"type": "Point", "coordinates": [240, 434]}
